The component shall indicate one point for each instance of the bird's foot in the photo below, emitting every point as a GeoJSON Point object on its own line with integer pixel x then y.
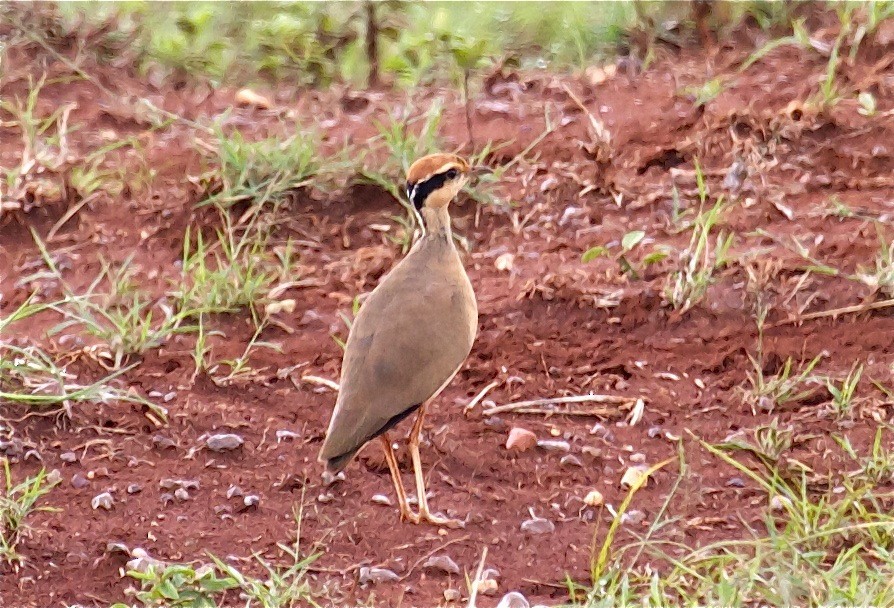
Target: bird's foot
{"type": "Point", "coordinates": [406, 515]}
{"type": "Point", "coordinates": [436, 519]}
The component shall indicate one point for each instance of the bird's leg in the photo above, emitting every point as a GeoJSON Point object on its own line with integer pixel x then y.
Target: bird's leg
{"type": "Point", "coordinates": [424, 514]}
{"type": "Point", "coordinates": [406, 514]}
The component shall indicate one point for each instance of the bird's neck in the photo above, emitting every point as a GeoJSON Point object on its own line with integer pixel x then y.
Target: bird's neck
{"type": "Point", "coordinates": [437, 223]}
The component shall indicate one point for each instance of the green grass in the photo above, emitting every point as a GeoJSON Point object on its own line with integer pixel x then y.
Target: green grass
{"type": "Point", "coordinates": [17, 502]}
{"type": "Point", "coordinates": [811, 548]}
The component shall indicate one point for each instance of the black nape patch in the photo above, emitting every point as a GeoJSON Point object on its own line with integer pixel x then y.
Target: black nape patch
{"type": "Point", "coordinates": [419, 191]}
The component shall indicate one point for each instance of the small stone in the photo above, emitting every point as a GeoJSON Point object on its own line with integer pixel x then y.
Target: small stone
{"type": "Point", "coordinates": [452, 595]}
{"type": "Point", "coordinates": [594, 498]}
{"type": "Point", "coordinates": [487, 586]}
{"type": "Point", "coordinates": [53, 477]}
{"type": "Point", "coordinates": [538, 525]}
{"type": "Point", "coordinates": [234, 491]}
{"type": "Point", "coordinates": [141, 561]}
{"type": "Point", "coordinates": [134, 488]}
{"type": "Point", "coordinates": [329, 478]}
{"type": "Point", "coordinates": [520, 440]}
{"type": "Point", "coordinates": [442, 563]}
{"type": "Point", "coordinates": [68, 457]}
{"type": "Point", "coordinates": [638, 458]}
{"type": "Point", "coordinates": [181, 494]}
{"type": "Point", "coordinates": [116, 547]}
{"type": "Point", "coordinates": [170, 396]}
{"type": "Point", "coordinates": [162, 442]}
{"type": "Point", "coordinates": [78, 481]}
{"type": "Point", "coordinates": [102, 501]}
{"type": "Point", "coordinates": [505, 262]}
{"type": "Point", "coordinates": [570, 460]}
{"type": "Point", "coordinates": [633, 517]}
{"type": "Point", "coordinates": [166, 498]}
{"type": "Point", "coordinates": [325, 498]}
{"type": "Point", "coordinates": [251, 501]}
{"type": "Point", "coordinates": [654, 431]}
{"type": "Point", "coordinates": [514, 599]}
{"type": "Point", "coordinates": [735, 482]}
{"type": "Point", "coordinates": [636, 475]}
{"type": "Point", "coordinates": [381, 499]}
{"type": "Point", "coordinates": [170, 484]}
{"type": "Point", "coordinates": [589, 450]}
{"type": "Point", "coordinates": [247, 97]}
{"type": "Point", "coordinates": [780, 503]}
{"type": "Point", "coordinates": [554, 445]}
{"type": "Point", "coordinates": [223, 442]}
{"type": "Point", "coordinates": [282, 435]}
{"type": "Point", "coordinates": [377, 575]}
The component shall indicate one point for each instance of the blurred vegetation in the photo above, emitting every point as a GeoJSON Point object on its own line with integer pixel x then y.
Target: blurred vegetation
{"type": "Point", "coordinates": [318, 43]}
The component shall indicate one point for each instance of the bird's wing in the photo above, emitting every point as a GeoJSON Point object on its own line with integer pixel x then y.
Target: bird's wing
{"type": "Point", "coordinates": [400, 352]}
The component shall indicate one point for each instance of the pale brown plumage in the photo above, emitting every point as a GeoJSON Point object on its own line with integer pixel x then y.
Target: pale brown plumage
{"type": "Point", "coordinates": [412, 333]}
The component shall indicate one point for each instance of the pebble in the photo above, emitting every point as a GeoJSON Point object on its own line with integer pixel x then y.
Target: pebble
{"type": "Point", "coordinates": [68, 457]}
{"type": "Point", "coordinates": [251, 501]}
{"type": "Point", "coordinates": [779, 503]}
{"type": "Point", "coordinates": [570, 460]}
{"type": "Point", "coordinates": [538, 525]}
{"type": "Point", "coordinates": [166, 498]}
{"type": "Point", "coordinates": [638, 458]}
{"type": "Point", "coordinates": [514, 599]}
{"type": "Point", "coordinates": [223, 442]}
{"type": "Point", "coordinates": [234, 491]}
{"type": "Point", "coordinates": [162, 442]}
{"type": "Point", "coordinates": [117, 547]}
{"type": "Point", "coordinates": [442, 563]}
{"type": "Point", "coordinates": [381, 499]}
{"type": "Point", "coordinates": [735, 482]}
{"type": "Point", "coordinates": [451, 595]}
{"type": "Point", "coordinates": [654, 432]}
{"type": "Point", "coordinates": [181, 494]}
{"type": "Point", "coordinates": [594, 498]}
{"type": "Point", "coordinates": [329, 478]}
{"type": "Point", "coordinates": [377, 575]}
{"type": "Point", "coordinates": [186, 484]}
{"type": "Point", "coordinates": [78, 481]}
{"type": "Point", "coordinates": [134, 488]}
{"type": "Point", "coordinates": [487, 586]}
{"type": "Point", "coordinates": [554, 445]}
{"type": "Point", "coordinates": [170, 396]}
{"type": "Point", "coordinates": [141, 561]}
{"type": "Point", "coordinates": [633, 517]}
{"type": "Point", "coordinates": [520, 440]}
{"type": "Point", "coordinates": [325, 498]}
{"type": "Point", "coordinates": [283, 434]}
{"type": "Point", "coordinates": [102, 501]}
{"type": "Point", "coordinates": [53, 477]}
{"type": "Point", "coordinates": [635, 475]}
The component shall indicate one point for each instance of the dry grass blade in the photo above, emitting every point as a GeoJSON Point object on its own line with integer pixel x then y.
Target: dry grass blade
{"type": "Point", "coordinates": [537, 406]}
{"type": "Point", "coordinates": [857, 308]}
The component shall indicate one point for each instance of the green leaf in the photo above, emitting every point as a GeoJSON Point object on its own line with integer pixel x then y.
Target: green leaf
{"type": "Point", "coordinates": [632, 239]}
{"type": "Point", "coordinates": [654, 257]}
{"type": "Point", "coordinates": [592, 253]}
{"type": "Point", "coordinates": [168, 590]}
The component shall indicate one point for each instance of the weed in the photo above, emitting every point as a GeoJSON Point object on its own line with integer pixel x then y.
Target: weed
{"type": "Point", "coordinates": [843, 394]}
{"type": "Point", "coordinates": [17, 502]}
{"type": "Point", "coordinates": [881, 277]}
{"type": "Point", "coordinates": [789, 385]}
{"type": "Point", "coordinates": [628, 242]}
{"type": "Point", "coordinates": [699, 262]}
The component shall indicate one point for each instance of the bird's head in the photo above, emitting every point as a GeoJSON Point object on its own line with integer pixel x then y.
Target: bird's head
{"type": "Point", "coordinates": [433, 180]}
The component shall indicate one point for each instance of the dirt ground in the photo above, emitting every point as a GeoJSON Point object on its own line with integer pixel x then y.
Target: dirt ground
{"type": "Point", "coordinates": [550, 325]}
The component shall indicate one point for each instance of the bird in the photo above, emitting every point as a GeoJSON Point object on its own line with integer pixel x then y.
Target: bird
{"type": "Point", "coordinates": [410, 337]}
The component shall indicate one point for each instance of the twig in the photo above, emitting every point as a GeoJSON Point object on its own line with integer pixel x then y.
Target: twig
{"type": "Point", "coordinates": [835, 312]}
{"type": "Point", "coordinates": [432, 552]}
{"type": "Point", "coordinates": [477, 398]}
{"type": "Point", "coordinates": [72, 211]}
{"type": "Point", "coordinates": [474, 593]}
{"type": "Point", "coordinates": [321, 381]}
{"type": "Point", "coordinates": [535, 406]}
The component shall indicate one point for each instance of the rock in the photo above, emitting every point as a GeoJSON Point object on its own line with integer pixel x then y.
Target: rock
{"type": "Point", "coordinates": [381, 499]}
{"type": "Point", "coordinates": [520, 440]}
{"type": "Point", "coordinates": [68, 457]}
{"type": "Point", "coordinates": [247, 97]}
{"type": "Point", "coordinates": [633, 517]}
{"type": "Point", "coordinates": [166, 498]}
{"type": "Point", "coordinates": [451, 595]}
{"type": "Point", "coordinates": [162, 442]}
{"type": "Point", "coordinates": [554, 445]}
{"type": "Point", "coordinates": [570, 460]}
{"type": "Point", "coordinates": [170, 396]}
{"type": "Point", "coordinates": [638, 458]}
{"type": "Point", "coordinates": [514, 599]}
{"type": "Point", "coordinates": [538, 525]}
{"type": "Point", "coordinates": [634, 476]}
{"type": "Point", "coordinates": [442, 563]}
{"type": "Point", "coordinates": [505, 262]}
{"type": "Point", "coordinates": [329, 478]}
{"type": "Point", "coordinates": [117, 547]}
{"type": "Point", "coordinates": [377, 575]}
{"type": "Point", "coordinates": [325, 498]}
{"type": "Point", "coordinates": [78, 481]}
{"type": "Point", "coordinates": [594, 498]}
{"type": "Point", "coordinates": [53, 477]}
{"type": "Point", "coordinates": [223, 442]}
{"type": "Point", "coordinates": [654, 431]}
{"type": "Point", "coordinates": [234, 491]}
{"type": "Point", "coordinates": [102, 501]}
{"type": "Point", "coordinates": [171, 484]}
{"type": "Point", "coordinates": [181, 494]}
{"type": "Point", "coordinates": [251, 501]}
{"type": "Point", "coordinates": [141, 561]}
{"type": "Point", "coordinates": [134, 488]}
{"type": "Point", "coordinates": [487, 586]}
{"type": "Point", "coordinates": [283, 434]}
{"type": "Point", "coordinates": [735, 482]}
{"type": "Point", "coordinates": [780, 503]}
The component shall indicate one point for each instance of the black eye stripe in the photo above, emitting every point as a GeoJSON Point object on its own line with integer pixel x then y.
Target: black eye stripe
{"type": "Point", "coordinates": [418, 192]}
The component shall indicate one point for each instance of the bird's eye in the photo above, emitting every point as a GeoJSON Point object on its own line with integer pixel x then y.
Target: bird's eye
{"type": "Point", "coordinates": [451, 174]}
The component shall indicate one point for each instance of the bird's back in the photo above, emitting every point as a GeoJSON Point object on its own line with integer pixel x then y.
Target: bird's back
{"type": "Point", "coordinates": [408, 340]}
